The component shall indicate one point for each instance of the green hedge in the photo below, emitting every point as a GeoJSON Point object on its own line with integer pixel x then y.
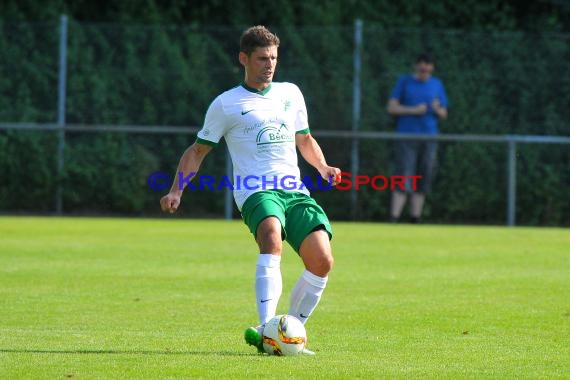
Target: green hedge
{"type": "Point", "coordinates": [498, 83]}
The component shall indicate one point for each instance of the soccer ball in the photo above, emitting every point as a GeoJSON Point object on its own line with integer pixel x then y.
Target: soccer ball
{"type": "Point", "coordinates": [284, 335]}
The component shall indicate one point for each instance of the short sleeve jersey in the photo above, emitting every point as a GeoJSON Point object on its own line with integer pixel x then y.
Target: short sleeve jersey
{"type": "Point", "coordinates": [410, 91]}
{"type": "Point", "coordinates": [259, 128]}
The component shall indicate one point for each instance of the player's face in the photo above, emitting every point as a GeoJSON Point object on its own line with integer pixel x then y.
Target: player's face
{"type": "Point", "coordinates": [259, 66]}
{"type": "Point", "coordinates": [423, 70]}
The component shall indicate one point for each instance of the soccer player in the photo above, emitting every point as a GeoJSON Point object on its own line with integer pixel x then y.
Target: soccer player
{"type": "Point", "coordinates": [263, 122]}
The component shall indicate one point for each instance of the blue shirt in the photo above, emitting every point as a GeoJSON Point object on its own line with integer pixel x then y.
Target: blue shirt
{"type": "Point", "coordinates": [409, 91]}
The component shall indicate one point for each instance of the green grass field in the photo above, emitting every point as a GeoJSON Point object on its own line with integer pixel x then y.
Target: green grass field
{"type": "Point", "coordinates": [132, 298]}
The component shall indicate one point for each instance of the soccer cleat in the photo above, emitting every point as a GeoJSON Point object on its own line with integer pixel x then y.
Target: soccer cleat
{"type": "Point", "coordinates": [306, 351]}
{"type": "Point", "coordinates": [254, 337]}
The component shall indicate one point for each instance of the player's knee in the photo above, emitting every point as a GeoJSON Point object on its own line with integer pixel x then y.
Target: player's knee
{"type": "Point", "coordinates": [326, 264]}
{"type": "Point", "coordinates": [269, 240]}
{"type": "Point", "coordinates": [269, 236]}
{"type": "Point", "coordinates": [271, 245]}
{"type": "Point", "coordinates": [321, 266]}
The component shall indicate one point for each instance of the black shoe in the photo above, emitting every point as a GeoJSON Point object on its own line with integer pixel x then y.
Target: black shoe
{"type": "Point", "coordinates": [415, 220]}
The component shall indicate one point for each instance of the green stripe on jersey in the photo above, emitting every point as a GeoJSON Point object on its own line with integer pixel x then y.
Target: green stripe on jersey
{"type": "Point", "coordinates": [303, 131]}
{"type": "Point", "coordinates": [256, 91]}
{"type": "Point", "coordinates": [206, 142]}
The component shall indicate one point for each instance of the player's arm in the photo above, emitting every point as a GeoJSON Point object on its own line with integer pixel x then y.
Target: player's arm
{"type": "Point", "coordinates": [395, 108]}
{"type": "Point", "coordinates": [189, 163]}
{"type": "Point", "coordinates": [312, 153]}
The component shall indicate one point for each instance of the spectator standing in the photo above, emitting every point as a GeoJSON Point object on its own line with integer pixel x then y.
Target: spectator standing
{"type": "Point", "coordinates": [418, 101]}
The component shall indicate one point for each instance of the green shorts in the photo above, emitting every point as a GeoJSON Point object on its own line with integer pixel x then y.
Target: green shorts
{"type": "Point", "coordinates": [298, 213]}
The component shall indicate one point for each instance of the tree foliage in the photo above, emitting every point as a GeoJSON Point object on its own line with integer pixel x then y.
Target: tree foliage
{"type": "Point", "coordinates": [542, 15]}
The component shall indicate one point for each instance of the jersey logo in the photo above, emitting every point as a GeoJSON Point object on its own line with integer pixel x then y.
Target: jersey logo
{"type": "Point", "coordinates": [274, 135]}
{"type": "Point", "coordinates": [246, 112]}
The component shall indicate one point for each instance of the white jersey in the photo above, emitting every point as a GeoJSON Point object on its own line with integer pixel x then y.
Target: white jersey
{"type": "Point", "coordinates": [259, 128]}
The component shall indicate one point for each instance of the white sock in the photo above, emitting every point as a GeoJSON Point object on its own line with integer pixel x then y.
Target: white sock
{"type": "Point", "coordinates": [417, 204]}
{"type": "Point", "coordinates": [306, 295]}
{"type": "Point", "coordinates": [268, 286]}
{"type": "Point", "coordinates": [397, 205]}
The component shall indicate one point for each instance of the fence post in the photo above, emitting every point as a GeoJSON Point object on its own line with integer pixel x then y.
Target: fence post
{"type": "Point", "coordinates": [354, 150]}
{"type": "Point", "coordinates": [62, 80]}
{"type": "Point", "coordinates": [512, 181]}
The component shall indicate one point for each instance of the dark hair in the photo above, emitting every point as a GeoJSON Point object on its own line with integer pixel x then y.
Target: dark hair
{"type": "Point", "coordinates": [257, 36]}
{"type": "Point", "coordinates": [425, 58]}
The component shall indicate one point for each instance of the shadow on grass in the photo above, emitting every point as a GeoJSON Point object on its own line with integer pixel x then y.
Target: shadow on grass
{"type": "Point", "coordinates": [125, 352]}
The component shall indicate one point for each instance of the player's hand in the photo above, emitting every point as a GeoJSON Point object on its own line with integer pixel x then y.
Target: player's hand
{"type": "Point", "coordinates": [436, 105]}
{"type": "Point", "coordinates": [440, 111]}
{"type": "Point", "coordinates": [421, 109]}
{"type": "Point", "coordinates": [170, 202]}
{"type": "Point", "coordinates": [331, 175]}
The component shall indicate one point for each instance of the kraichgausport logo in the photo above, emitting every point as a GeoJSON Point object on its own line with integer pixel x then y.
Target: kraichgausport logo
{"type": "Point", "coordinates": [345, 181]}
